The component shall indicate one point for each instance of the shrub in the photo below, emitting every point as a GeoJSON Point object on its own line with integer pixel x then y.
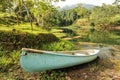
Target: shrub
{"type": "Point", "coordinates": [16, 40]}
{"type": "Point", "coordinates": [58, 46]}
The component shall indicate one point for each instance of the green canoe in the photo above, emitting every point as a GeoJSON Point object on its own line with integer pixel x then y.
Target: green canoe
{"type": "Point", "coordinates": [33, 60]}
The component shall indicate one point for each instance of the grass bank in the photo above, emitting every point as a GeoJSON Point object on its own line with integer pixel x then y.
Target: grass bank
{"type": "Point", "coordinates": [11, 43]}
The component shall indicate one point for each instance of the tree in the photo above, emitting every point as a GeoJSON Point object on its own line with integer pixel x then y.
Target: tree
{"type": "Point", "coordinates": [5, 4]}
{"type": "Point", "coordinates": [28, 14]}
{"type": "Point", "coordinates": [44, 12]}
{"type": "Point", "coordinates": [81, 11]}
{"type": "Point", "coordinates": [117, 2]}
{"type": "Point", "coordinates": [66, 17]}
{"type": "Point", "coordinates": [22, 10]}
{"type": "Point", "coordinates": [101, 16]}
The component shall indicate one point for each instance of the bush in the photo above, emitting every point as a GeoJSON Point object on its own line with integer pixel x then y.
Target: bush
{"type": "Point", "coordinates": [16, 40]}
{"type": "Point", "coordinates": [8, 59]}
{"type": "Point", "coordinates": [59, 46]}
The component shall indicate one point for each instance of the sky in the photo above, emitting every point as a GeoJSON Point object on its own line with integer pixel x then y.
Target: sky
{"type": "Point", "coordinates": [94, 2]}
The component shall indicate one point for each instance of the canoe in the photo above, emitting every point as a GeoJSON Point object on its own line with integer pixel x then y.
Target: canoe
{"type": "Point", "coordinates": [33, 60]}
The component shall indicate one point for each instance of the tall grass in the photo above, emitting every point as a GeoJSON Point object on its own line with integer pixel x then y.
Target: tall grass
{"type": "Point", "coordinates": [7, 59]}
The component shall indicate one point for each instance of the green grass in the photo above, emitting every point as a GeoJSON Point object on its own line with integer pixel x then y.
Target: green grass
{"type": "Point", "coordinates": [58, 32]}
{"type": "Point", "coordinates": [60, 35]}
{"type": "Point", "coordinates": [8, 58]}
{"type": "Point", "coordinates": [24, 28]}
{"type": "Point", "coordinates": [2, 14]}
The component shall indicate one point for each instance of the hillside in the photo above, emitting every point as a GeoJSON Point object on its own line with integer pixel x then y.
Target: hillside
{"type": "Point", "coordinates": [88, 6]}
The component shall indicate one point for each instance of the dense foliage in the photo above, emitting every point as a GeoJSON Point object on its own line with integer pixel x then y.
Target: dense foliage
{"type": "Point", "coordinates": [17, 40]}
{"type": "Point", "coordinates": [42, 13]}
{"type": "Point", "coordinates": [59, 46]}
{"type": "Point", "coordinates": [102, 16]}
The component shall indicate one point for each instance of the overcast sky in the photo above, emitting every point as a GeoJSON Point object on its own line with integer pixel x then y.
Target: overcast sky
{"type": "Point", "coordinates": [94, 2]}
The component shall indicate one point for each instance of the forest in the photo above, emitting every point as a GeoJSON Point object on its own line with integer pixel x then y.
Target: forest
{"type": "Point", "coordinates": [38, 24]}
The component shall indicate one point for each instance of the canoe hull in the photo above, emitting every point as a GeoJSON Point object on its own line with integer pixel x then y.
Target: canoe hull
{"type": "Point", "coordinates": [40, 62]}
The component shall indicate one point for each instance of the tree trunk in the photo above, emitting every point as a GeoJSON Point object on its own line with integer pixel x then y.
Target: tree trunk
{"type": "Point", "coordinates": [29, 16]}
{"type": "Point", "coordinates": [42, 21]}
{"type": "Point", "coordinates": [38, 20]}
{"type": "Point", "coordinates": [17, 19]}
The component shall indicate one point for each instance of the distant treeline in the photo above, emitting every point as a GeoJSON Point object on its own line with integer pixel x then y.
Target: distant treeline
{"type": "Point", "coordinates": [45, 15]}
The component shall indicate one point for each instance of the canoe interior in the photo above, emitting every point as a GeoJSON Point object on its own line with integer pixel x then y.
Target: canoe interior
{"type": "Point", "coordinates": [75, 52]}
